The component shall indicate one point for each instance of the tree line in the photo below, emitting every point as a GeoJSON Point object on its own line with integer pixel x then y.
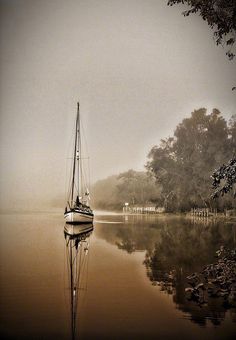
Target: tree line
{"type": "Point", "coordinates": [183, 164]}
{"type": "Point", "coordinates": [134, 187]}
{"type": "Point", "coordinates": [179, 170]}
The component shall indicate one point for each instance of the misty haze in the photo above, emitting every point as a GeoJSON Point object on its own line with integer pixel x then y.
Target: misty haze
{"type": "Point", "coordinates": [118, 169]}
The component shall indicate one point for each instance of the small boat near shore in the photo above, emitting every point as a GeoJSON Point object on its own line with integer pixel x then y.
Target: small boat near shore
{"type": "Point", "coordinates": [77, 209]}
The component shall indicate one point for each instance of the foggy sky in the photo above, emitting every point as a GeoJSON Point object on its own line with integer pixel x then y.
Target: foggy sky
{"type": "Point", "coordinates": [137, 67]}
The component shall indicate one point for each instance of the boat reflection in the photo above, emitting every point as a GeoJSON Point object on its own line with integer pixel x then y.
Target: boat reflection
{"type": "Point", "coordinates": [76, 229]}
{"type": "Point", "coordinates": [77, 248]}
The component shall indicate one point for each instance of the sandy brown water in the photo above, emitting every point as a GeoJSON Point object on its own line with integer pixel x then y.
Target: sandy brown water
{"type": "Point", "coordinates": [126, 296]}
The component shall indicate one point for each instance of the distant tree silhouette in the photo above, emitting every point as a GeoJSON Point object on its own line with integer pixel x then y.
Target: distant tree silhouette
{"type": "Point", "coordinates": [135, 187]}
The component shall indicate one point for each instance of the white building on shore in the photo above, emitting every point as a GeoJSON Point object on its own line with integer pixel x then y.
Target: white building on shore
{"type": "Point", "coordinates": [148, 208]}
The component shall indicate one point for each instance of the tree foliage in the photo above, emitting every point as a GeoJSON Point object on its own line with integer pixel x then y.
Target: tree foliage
{"type": "Point", "coordinates": [179, 170]}
{"type": "Point", "coordinates": [183, 164]}
{"type": "Point", "coordinates": [104, 193]}
{"type": "Point", "coordinates": [135, 187]}
{"type": "Point", "coordinates": [225, 174]}
{"type": "Point", "coordinates": [220, 15]}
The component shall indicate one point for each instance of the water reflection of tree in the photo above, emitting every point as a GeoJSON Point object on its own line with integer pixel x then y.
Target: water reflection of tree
{"type": "Point", "coordinates": [132, 239]}
{"type": "Point", "coordinates": [174, 249]}
{"type": "Point", "coordinates": [183, 249]}
{"type": "Point", "coordinates": [133, 233]}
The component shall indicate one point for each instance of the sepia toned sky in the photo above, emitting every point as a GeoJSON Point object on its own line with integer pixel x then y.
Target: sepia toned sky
{"type": "Point", "coordinates": [137, 67]}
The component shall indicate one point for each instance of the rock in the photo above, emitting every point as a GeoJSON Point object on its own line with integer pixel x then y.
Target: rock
{"type": "Point", "coordinates": [224, 292]}
{"type": "Point", "coordinates": [193, 279]}
{"type": "Point", "coordinates": [188, 293]}
{"type": "Point", "coordinates": [200, 286]}
{"type": "Point", "coordinates": [232, 299]}
{"type": "Point", "coordinates": [215, 280]}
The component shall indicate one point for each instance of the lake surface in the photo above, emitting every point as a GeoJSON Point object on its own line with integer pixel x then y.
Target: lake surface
{"type": "Point", "coordinates": [132, 272]}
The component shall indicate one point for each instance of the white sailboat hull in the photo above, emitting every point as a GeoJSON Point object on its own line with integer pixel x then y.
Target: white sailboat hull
{"type": "Point", "coordinates": [78, 217]}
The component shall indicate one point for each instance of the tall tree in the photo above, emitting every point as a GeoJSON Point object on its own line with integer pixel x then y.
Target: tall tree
{"type": "Point", "coordinates": [163, 165]}
{"type": "Point", "coordinates": [232, 133]}
{"type": "Point", "coordinates": [183, 164]}
{"type": "Point", "coordinates": [224, 178]}
{"type": "Point", "coordinates": [137, 187]}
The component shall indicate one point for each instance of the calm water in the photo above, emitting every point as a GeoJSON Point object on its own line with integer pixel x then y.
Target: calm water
{"type": "Point", "coordinates": [129, 280]}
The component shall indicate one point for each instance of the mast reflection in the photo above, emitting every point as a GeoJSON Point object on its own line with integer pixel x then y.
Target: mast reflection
{"type": "Point", "coordinates": [77, 248]}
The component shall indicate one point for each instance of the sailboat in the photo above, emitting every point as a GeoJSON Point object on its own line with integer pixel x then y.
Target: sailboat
{"type": "Point", "coordinates": [77, 209]}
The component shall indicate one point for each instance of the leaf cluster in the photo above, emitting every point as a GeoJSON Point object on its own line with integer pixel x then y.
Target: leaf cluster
{"type": "Point", "coordinates": [225, 174]}
{"type": "Point", "coordinates": [220, 15]}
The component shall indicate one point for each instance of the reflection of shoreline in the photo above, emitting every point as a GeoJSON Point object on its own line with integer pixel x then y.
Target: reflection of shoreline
{"type": "Point", "coordinates": [165, 215]}
{"type": "Point", "coordinates": [175, 248]}
{"type": "Point", "coordinates": [182, 251]}
{"type": "Point", "coordinates": [77, 247]}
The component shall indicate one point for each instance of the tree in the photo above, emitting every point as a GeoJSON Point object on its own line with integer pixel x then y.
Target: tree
{"type": "Point", "coordinates": [163, 165]}
{"type": "Point", "coordinates": [232, 132]}
{"type": "Point", "coordinates": [220, 16]}
{"type": "Point", "coordinates": [136, 187]}
{"type": "Point", "coordinates": [183, 164]}
{"type": "Point", "coordinates": [224, 178]}
{"type": "Point", "coordinates": [104, 193]}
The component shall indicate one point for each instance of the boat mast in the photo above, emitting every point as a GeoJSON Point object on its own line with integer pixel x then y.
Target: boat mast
{"type": "Point", "coordinates": [75, 155]}
{"type": "Point", "coordinates": [78, 147]}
